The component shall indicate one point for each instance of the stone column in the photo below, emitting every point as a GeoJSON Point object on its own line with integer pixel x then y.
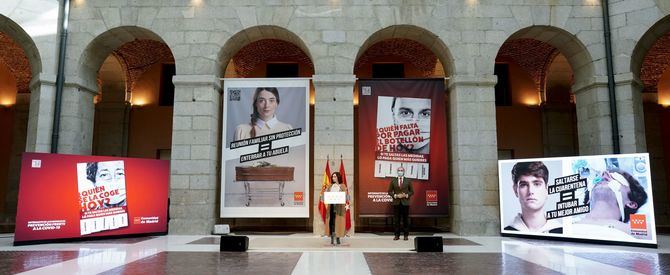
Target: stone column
{"type": "Point", "coordinates": [333, 135]}
{"type": "Point", "coordinates": [76, 119]}
{"type": "Point", "coordinates": [594, 128]}
{"type": "Point", "coordinates": [630, 113]}
{"type": "Point", "coordinates": [40, 117]}
{"type": "Point", "coordinates": [194, 169]}
{"type": "Point", "coordinates": [473, 158]}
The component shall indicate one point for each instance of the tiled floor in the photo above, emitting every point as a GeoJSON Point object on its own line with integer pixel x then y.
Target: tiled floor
{"type": "Point", "coordinates": [308, 254]}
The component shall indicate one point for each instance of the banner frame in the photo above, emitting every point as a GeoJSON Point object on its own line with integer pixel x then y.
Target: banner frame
{"type": "Point", "coordinates": [262, 212]}
{"type": "Point", "coordinates": [651, 243]}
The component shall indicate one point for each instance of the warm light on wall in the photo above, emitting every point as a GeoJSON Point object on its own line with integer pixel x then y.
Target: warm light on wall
{"type": "Point", "coordinates": [138, 101]}
{"type": "Point", "coordinates": [663, 97]}
{"type": "Point", "coordinates": [531, 101]}
{"type": "Point", "coordinates": [472, 2]}
{"type": "Point", "coordinates": [355, 99]}
{"type": "Point", "coordinates": [196, 3]}
{"type": "Point", "coordinates": [591, 2]}
{"type": "Point", "coordinates": [6, 102]}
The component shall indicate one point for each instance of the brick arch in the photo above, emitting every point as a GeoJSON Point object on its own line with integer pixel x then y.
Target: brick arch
{"type": "Point", "coordinates": [107, 43]}
{"type": "Point", "coordinates": [253, 34]}
{"type": "Point", "coordinates": [256, 53]}
{"type": "Point", "coordinates": [137, 56]}
{"type": "Point", "coordinates": [398, 33]}
{"type": "Point", "coordinates": [651, 56]}
{"type": "Point", "coordinates": [567, 44]}
{"type": "Point", "coordinates": [19, 52]}
{"type": "Point", "coordinates": [15, 58]}
{"type": "Point", "coordinates": [405, 50]}
{"type": "Point", "coordinates": [533, 56]}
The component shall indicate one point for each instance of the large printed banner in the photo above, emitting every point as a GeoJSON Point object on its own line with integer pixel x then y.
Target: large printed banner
{"type": "Point", "coordinates": [402, 123]}
{"type": "Point", "coordinates": [605, 198]}
{"type": "Point", "coordinates": [266, 148]}
{"type": "Point", "coordinates": [70, 196]}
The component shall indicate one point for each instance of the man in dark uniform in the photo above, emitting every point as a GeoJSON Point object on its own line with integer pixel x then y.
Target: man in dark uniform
{"type": "Point", "coordinates": [400, 189]}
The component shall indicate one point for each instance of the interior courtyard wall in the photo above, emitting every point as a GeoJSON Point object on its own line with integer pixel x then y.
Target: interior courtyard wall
{"type": "Point", "coordinates": [333, 33]}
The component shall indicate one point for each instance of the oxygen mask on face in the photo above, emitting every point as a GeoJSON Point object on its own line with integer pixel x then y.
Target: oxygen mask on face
{"type": "Point", "coordinates": [615, 181]}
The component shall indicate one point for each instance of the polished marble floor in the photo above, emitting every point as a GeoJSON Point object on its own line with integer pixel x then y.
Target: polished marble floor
{"type": "Point", "coordinates": [308, 254]}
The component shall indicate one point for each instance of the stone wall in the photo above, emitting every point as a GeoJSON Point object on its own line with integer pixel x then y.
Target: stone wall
{"type": "Point", "coordinates": [465, 36]}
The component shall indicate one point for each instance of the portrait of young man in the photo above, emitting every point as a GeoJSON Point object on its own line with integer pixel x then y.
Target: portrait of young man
{"type": "Point", "coordinates": [529, 183]}
{"type": "Point", "coordinates": [407, 110]}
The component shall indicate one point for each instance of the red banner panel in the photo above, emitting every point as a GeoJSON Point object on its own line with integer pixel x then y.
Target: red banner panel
{"type": "Point", "coordinates": [71, 197]}
{"type": "Point", "coordinates": [402, 122]}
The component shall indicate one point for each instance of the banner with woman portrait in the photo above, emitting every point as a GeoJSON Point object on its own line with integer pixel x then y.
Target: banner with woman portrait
{"type": "Point", "coordinates": [402, 123]}
{"type": "Point", "coordinates": [87, 197]}
{"type": "Point", "coordinates": [603, 198]}
{"type": "Point", "coordinates": [265, 153]}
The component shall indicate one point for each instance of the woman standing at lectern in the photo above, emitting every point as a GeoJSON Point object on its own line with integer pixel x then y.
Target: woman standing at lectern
{"type": "Point", "coordinates": [335, 213]}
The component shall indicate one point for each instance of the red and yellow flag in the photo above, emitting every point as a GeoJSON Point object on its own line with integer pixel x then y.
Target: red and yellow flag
{"type": "Point", "coordinates": [324, 185]}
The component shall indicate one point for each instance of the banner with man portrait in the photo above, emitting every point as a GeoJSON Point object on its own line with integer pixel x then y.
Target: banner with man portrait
{"type": "Point", "coordinates": [265, 153]}
{"type": "Point", "coordinates": [402, 123]}
{"type": "Point", "coordinates": [603, 198]}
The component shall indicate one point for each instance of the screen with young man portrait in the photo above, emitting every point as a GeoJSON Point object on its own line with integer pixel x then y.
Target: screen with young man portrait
{"type": "Point", "coordinates": [604, 198]}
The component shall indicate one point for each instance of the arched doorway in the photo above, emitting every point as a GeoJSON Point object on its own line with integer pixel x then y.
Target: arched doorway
{"type": "Point", "coordinates": [535, 104]}
{"type": "Point", "coordinates": [410, 53]}
{"type": "Point", "coordinates": [270, 52]}
{"type": "Point", "coordinates": [650, 63]}
{"type": "Point", "coordinates": [19, 62]}
{"type": "Point", "coordinates": [134, 108]}
{"type": "Point", "coordinates": [135, 94]}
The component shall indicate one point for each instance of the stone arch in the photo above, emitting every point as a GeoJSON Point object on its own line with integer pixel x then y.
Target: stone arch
{"type": "Point", "coordinates": [21, 38]}
{"type": "Point", "coordinates": [23, 62]}
{"type": "Point", "coordinates": [646, 45]}
{"type": "Point", "coordinates": [650, 64]}
{"type": "Point", "coordinates": [103, 45]}
{"type": "Point", "coordinates": [426, 38]}
{"type": "Point", "coordinates": [568, 44]}
{"type": "Point", "coordinates": [550, 113]}
{"type": "Point", "coordinates": [247, 36]}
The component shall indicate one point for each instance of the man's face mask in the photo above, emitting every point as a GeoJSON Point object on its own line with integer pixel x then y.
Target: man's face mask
{"type": "Point", "coordinates": [401, 173]}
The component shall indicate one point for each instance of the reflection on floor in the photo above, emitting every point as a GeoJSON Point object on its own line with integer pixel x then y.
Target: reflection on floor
{"type": "Point", "coordinates": [308, 254]}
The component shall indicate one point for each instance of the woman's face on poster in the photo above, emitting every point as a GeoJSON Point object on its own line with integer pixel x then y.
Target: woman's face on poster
{"type": "Point", "coordinates": [111, 174]}
{"type": "Point", "coordinates": [266, 105]}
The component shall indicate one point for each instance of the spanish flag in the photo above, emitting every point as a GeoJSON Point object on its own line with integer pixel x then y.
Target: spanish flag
{"type": "Point", "coordinates": [324, 186]}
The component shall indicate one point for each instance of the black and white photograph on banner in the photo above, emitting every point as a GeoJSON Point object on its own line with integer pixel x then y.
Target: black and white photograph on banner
{"type": "Point", "coordinates": [618, 192]}
{"type": "Point", "coordinates": [266, 149]}
{"type": "Point", "coordinates": [269, 109]}
{"type": "Point", "coordinates": [525, 196]}
{"type": "Point", "coordinates": [102, 196]}
{"type": "Point", "coordinates": [403, 136]}
{"type": "Point", "coordinates": [602, 198]}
